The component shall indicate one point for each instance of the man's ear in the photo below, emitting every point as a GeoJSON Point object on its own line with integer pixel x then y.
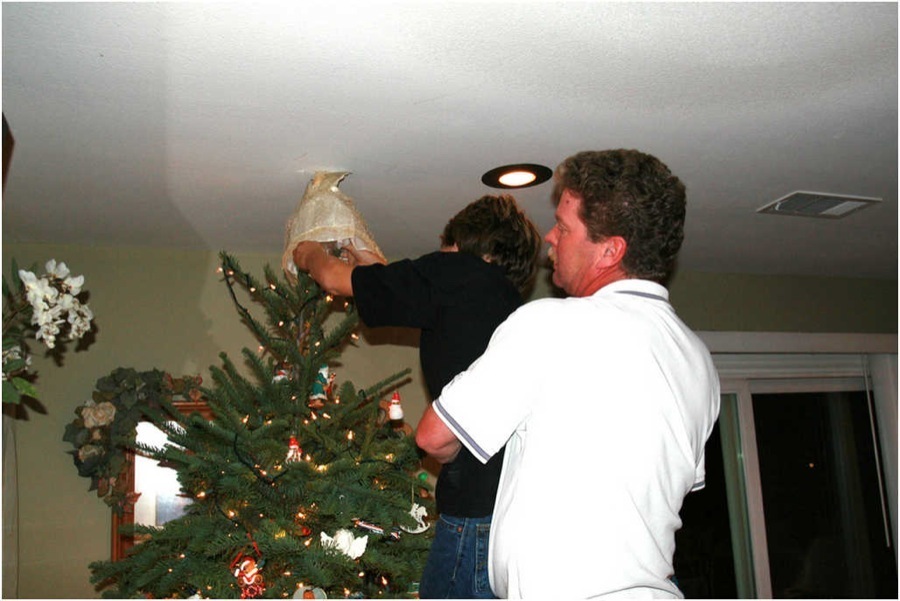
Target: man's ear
{"type": "Point", "coordinates": [613, 251]}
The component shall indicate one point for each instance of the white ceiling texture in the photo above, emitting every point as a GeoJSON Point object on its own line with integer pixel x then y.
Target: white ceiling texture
{"type": "Point", "coordinates": [198, 125]}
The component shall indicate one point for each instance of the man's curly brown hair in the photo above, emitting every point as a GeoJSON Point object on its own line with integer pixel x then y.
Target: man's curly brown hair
{"type": "Point", "coordinates": [494, 227]}
{"type": "Point", "coordinates": [633, 195]}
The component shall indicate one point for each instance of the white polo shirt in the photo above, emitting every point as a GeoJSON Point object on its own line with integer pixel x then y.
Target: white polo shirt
{"type": "Point", "coordinates": [606, 403]}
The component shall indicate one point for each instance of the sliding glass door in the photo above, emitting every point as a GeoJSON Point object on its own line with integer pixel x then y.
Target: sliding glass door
{"type": "Point", "coordinates": [794, 504]}
{"type": "Point", "coordinates": [827, 527]}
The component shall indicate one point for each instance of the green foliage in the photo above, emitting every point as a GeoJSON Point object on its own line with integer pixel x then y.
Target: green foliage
{"type": "Point", "coordinates": [357, 470]}
{"type": "Point", "coordinates": [16, 313]}
{"type": "Point", "coordinates": [104, 428]}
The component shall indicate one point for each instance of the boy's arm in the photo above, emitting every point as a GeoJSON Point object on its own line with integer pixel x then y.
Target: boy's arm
{"type": "Point", "coordinates": [330, 272]}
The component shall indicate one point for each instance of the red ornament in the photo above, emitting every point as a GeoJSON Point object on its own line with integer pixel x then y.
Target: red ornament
{"type": "Point", "coordinates": [395, 411]}
{"type": "Point", "coordinates": [248, 574]}
{"type": "Point", "coordinates": [294, 451]}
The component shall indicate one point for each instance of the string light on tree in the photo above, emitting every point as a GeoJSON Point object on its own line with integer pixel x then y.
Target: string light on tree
{"type": "Point", "coordinates": [251, 480]}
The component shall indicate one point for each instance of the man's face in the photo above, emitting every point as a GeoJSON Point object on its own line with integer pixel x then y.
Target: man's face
{"type": "Point", "coordinates": [573, 254]}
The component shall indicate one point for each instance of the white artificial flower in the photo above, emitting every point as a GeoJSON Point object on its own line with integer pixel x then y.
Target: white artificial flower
{"type": "Point", "coordinates": [66, 302]}
{"type": "Point", "coordinates": [15, 353]}
{"type": "Point", "coordinates": [48, 335]}
{"type": "Point", "coordinates": [57, 270]}
{"type": "Point", "coordinates": [85, 312]}
{"type": "Point", "coordinates": [38, 291]}
{"type": "Point", "coordinates": [48, 321]}
{"type": "Point", "coordinates": [80, 317]}
{"type": "Point", "coordinates": [54, 303]}
{"type": "Point", "coordinates": [46, 315]}
{"type": "Point", "coordinates": [74, 285]}
{"type": "Point", "coordinates": [27, 277]}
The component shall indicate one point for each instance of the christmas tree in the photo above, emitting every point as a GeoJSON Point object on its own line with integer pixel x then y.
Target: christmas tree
{"type": "Point", "coordinates": [299, 487]}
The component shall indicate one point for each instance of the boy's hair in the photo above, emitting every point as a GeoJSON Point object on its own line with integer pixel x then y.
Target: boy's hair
{"type": "Point", "coordinates": [494, 228]}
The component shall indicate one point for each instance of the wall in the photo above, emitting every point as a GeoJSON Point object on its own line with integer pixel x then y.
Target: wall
{"type": "Point", "coordinates": [746, 303]}
{"type": "Point", "coordinates": [168, 309]}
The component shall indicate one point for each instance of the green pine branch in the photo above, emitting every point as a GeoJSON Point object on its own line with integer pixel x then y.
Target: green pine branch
{"type": "Point", "coordinates": [355, 473]}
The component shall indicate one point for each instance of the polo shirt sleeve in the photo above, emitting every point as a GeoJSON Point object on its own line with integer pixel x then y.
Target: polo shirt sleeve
{"type": "Point", "coordinates": [397, 294]}
{"type": "Point", "coordinates": [484, 405]}
{"type": "Point", "coordinates": [700, 472]}
{"type": "Point", "coordinates": [712, 407]}
{"type": "Point", "coordinates": [714, 401]}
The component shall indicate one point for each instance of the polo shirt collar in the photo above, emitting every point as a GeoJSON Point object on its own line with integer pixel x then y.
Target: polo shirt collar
{"type": "Point", "coordinates": [644, 288]}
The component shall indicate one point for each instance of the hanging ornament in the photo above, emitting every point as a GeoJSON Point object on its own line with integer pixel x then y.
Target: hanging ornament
{"type": "Point", "coordinates": [394, 534]}
{"type": "Point", "coordinates": [299, 520]}
{"type": "Point", "coordinates": [247, 571]}
{"type": "Point", "coordinates": [308, 592]}
{"type": "Point", "coordinates": [395, 411]}
{"type": "Point", "coordinates": [282, 373]}
{"type": "Point", "coordinates": [320, 388]}
{"type": "Point", "coordinates": [295, 453]}
{"type": "Point", "coordinates": [422, 477]}
{"type": "Point", "coordinates": [369, 526]}
{"type": "Point", "coordinates": [344, 541]}
{"type": "Point", "coordinates": [419, 514]}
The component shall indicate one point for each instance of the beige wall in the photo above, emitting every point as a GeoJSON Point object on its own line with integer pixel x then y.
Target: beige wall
{"type": "Point", "coordinates": [744, 303]}
{"type": "Point", "coordinates": [168, 309]}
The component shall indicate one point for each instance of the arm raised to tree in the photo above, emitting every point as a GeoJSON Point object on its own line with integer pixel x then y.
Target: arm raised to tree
{"type": "Point", "coordinates": [330, 272]}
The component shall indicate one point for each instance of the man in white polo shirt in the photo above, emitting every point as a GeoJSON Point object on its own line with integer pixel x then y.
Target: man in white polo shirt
{"type": "Point", "coordinates": [604, 399]}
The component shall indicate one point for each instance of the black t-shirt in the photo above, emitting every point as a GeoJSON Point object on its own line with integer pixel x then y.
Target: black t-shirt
{"type": "Point", "coordinates": [457, 300]}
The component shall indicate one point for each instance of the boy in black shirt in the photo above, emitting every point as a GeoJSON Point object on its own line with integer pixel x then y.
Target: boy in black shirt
{"type": "Point", "coordinates": [457, 297]}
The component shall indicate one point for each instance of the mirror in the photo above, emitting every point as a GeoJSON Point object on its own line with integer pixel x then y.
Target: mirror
{"type": "Point", "coordinates": [158, 493]}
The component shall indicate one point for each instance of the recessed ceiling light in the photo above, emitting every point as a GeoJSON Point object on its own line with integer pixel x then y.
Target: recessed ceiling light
{"type": "Point", "coordinates": [523, 175]}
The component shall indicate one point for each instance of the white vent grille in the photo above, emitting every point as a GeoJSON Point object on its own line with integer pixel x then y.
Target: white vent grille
{"type": "Point", "coordinates": [817, 204]}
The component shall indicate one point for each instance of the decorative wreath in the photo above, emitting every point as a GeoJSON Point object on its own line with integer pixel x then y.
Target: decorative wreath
{"type": "Point", "coordinates": [105, 427]}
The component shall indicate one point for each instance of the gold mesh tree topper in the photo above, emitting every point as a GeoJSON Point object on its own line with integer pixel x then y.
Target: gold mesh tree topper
{"type": "Point", "coordinates": [327, 215]}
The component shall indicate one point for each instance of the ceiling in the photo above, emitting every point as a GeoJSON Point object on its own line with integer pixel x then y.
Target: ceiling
{"type": "Point", "coordinates": [198, 125]}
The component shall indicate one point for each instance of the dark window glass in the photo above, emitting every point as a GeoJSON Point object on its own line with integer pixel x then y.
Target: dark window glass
{"type": "Point", "coordinates": [822, 498]}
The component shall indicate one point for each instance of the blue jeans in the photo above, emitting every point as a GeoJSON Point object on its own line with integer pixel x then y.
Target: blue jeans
{"type": "Point", "coordinates": [457, 566]}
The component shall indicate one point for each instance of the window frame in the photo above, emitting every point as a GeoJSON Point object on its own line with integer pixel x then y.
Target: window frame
{"type": "Point", "coordinates": [759, 362]}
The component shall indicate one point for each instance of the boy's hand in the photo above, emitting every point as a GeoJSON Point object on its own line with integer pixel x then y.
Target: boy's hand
{"type": "Point", "coordinates": [355, 256]}
{"type": "Point", "coordinates": [304, 252]}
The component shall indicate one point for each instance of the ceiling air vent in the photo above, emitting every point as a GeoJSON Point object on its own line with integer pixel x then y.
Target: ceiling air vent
{"type": "Point", "coordinates": [817, 204]}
